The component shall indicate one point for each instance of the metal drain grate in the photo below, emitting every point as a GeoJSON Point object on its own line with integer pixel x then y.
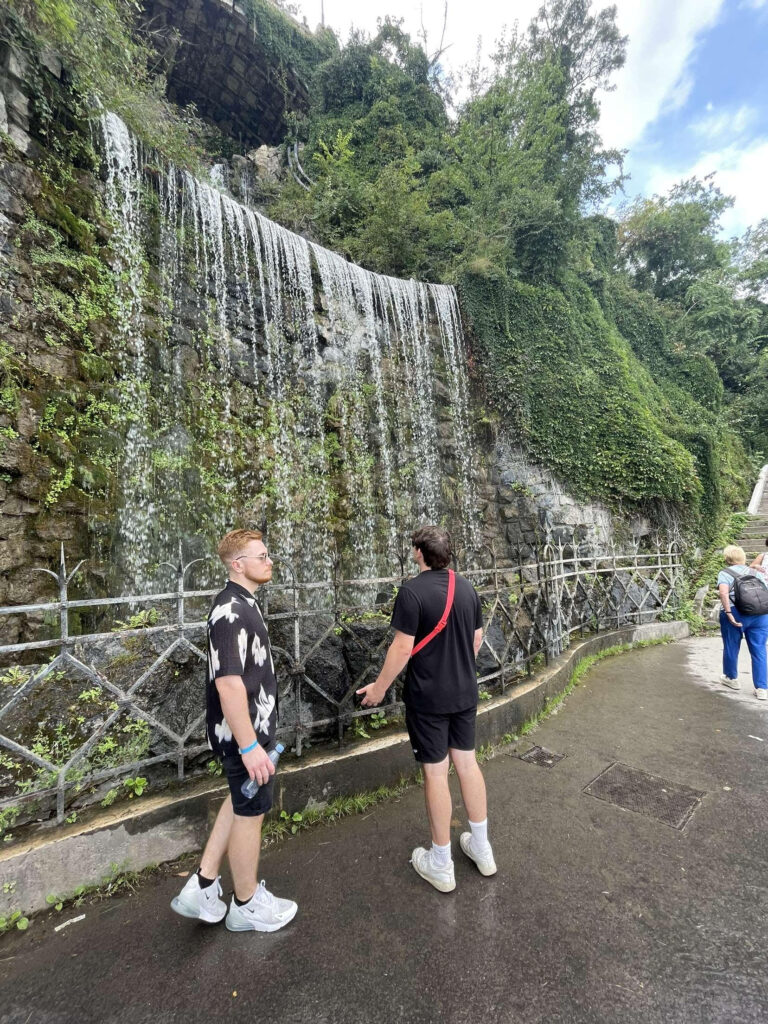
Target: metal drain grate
{"type": "Point", "coordinates": [541, 756]}
{"type": "Point", "coordinates": [635, 790]}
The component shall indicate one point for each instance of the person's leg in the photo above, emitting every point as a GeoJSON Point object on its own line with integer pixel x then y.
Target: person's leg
{"type": "Point", "coordinates": [475, 843]}
{"type": "Point", "coordinates": [756, 633]}
{"type": "Point", "coordinates": [472, 784]}
{"type": "Point", "coordinates": [429, 739]}
{"type": "Point", "coordinates": [201, 896]}
{"type": "Point", "coordinates": [437, 796]}
{"type": "Point", "coordinates": [243, 854]}
{"type": "Point", "coordinates": [218, 841]}
{"type": "Point", "coordinates": [731, 643]}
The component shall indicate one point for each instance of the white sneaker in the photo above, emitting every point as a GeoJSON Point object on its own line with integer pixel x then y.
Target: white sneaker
{"type": "Point", "coordinates": [761, 694]}
{"type": "Point", "coordinates": [442, 878]}
{"type": "Point", "coordinates": [262, 913]}
{"type": "Point", "coordinates": [486, 865]}
{"type": "Point", "coordinates": [198, 903]}
{"type": "Point", "coordinates": [732, 684]}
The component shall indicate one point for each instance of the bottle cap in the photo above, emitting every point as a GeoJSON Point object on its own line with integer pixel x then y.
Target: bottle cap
{"type": "Point", "coordinates": [279, 748]}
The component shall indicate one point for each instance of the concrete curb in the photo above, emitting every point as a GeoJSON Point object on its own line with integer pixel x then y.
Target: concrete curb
{"type": "Point", "coordinates": [162, 828]}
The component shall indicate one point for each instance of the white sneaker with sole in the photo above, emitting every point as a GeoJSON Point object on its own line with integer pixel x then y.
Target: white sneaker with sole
{"type": "Point", "coordinates": [761, 694]}
{"type": "Point", "coordinates": [732, 684]}
{"type": "Point", "coordinates": [486, 865]}
{"type": "Point", "coordinates": [262, 913]}
{"type": "Point", "coordinates": [443, 879]}
{"type": "Point", "coordinates": [201, 904]}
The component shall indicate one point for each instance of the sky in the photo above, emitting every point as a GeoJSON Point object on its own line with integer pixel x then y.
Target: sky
{"type": "Point", "coordinates": [692, 98]}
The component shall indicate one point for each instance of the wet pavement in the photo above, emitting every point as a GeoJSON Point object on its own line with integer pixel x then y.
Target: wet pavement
{"type": "Point", "coordinates": [597, 914]}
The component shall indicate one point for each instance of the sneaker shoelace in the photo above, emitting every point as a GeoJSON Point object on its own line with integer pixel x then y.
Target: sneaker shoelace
{"type": "Point", "coordinates": [264, 896]}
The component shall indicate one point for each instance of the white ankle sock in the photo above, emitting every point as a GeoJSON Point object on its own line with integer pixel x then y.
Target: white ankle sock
{"type": "Point", "coordinates": [479, 834]}
{"type": "Point", "coordinates": [441, 855]}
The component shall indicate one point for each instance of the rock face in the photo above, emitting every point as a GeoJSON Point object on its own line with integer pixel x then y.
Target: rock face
{"type": "Point", "coordinates": [240, 79]}
{"type": "Point", "coordinates": [176, 364]}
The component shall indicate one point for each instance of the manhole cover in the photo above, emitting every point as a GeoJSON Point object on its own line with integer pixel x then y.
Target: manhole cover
{"type": "Point", "coordinates": [540, 755]}
{"type": "Point", "coordinates": [646, 794]}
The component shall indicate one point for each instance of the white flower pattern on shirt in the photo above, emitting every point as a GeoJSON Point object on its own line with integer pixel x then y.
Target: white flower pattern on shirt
{"type": "Point", "coordinates": [224, 611]}
{"type": "Point", "coordinates": [223, 732]}
{"type": "Point", "coordinates": [259, 652]}
{"type": "Point", "coordinates": [264, 709]}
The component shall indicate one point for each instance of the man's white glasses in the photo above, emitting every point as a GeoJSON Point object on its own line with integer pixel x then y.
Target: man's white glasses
{"type": "Point", "coordinates": [259, 558]}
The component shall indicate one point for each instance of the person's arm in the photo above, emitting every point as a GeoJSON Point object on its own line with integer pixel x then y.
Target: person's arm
{"type": "Point", "coordinates": [725, 599]}
{"type": "Point", "coordinates": [478, 641]}
{"type": "Point", "coordinates": [397, 658]}
{"type": "Point", "coordinates": [758, 564]}
{"type": "Point", "coordinates": [234, 704]}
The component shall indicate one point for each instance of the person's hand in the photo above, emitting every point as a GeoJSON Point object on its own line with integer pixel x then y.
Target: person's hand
{"type": "Point", "coordinates": [732, 617]}
{"type": "Point", "coordinates": [258, 765]}
{"type": "Point", "coordinates": [373, 694]}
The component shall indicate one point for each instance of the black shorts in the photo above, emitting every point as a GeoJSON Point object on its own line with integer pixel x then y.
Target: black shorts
{"type": "Point", "coordinates": [260, 803]}
{"type": "Point", "coordinates": [432, 734]}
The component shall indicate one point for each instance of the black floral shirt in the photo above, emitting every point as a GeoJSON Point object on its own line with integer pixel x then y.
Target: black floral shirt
{"type": "Point", "coordinates": [238, 645]}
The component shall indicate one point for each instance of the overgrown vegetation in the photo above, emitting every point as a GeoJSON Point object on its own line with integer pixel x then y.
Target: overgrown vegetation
{"type": "Point", "coordinates": [628, 354]}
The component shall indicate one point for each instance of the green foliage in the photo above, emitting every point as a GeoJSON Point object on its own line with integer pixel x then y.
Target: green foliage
{"type": "Point", "coordinates": [14, 920]}
{"type": "Point", "coordinates": [106, 56]}
{"type": "Point", "coordinates": [705, 570]}
{"type": "Point", "coordinates": [340, 807]}
{"type": "Point", "coordinates": [139, 620]}
{"type": "Point", "coordinates": [570, 385]}
{"type": "Point", "coordinates": [8, 816]}
{"type": "Point", "coordinates": [135, 786]}
{"type": "Point", "coordinates": [669, 242]}
{"type": "Point", "coordinates": [14, 676]}
{"type": "Point", "coordinates": [287, 44]}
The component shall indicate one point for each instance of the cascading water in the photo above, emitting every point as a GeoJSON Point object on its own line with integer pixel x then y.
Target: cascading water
{"type": "Point", "coordinates": [123, 166]}
{"type": "Point", "coordinates": [318, 395]}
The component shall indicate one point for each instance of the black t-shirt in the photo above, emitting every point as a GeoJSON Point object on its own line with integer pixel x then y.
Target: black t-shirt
{"type": "Point", "coordinates": [442, 676]}
{"type": "Point", "coordinates": [238, 645]}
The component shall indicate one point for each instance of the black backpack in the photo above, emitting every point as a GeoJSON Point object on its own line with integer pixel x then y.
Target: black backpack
{"type": "Point", "coordinates": [750, 594]}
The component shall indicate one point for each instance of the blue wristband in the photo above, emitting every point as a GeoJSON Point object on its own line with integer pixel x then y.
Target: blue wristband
{"type": "Point", "coordinates": [247, 750]}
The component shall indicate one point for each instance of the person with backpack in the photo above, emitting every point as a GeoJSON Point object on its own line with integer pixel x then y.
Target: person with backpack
{"type": "Point", "coordinates": [744, 597]}
{"type": "Point", "coordinates": [438, 626]}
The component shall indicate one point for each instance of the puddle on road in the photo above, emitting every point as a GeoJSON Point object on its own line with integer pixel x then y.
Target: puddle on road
{"type": "Point", "coordinates": [705, 665]}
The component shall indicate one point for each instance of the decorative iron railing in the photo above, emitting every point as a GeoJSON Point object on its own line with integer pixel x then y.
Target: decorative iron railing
{"type": "Point", "coordinates": [119, 698]}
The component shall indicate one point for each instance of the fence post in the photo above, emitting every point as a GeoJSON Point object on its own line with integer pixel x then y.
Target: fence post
{"type": "Point", "coordinates": [542, 593]}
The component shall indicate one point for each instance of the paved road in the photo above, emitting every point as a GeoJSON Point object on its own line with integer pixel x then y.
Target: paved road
{"type": "Point", "coordinates": [597, 914]}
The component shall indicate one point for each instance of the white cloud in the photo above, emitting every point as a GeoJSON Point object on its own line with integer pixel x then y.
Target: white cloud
{"type": "Point", "coordinates": [655, 78]}
{"type": "Point", "coordinates": [724, 124]}
{"type": "Point", "coordinates": [739, 172]}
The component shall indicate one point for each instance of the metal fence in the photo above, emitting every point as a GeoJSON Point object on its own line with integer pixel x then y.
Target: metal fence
{"type": "Point", "coordinates": [64, 747]}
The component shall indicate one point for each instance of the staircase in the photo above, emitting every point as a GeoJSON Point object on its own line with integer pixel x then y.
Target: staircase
{"type": "Point", "coordinates": [755, 532]}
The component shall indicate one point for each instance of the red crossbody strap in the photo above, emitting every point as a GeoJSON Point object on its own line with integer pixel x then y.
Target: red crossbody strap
{"type": "Point", "coordinates": [443, 618]}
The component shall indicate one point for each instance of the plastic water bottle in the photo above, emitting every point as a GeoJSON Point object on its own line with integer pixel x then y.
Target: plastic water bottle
{"type": "Point", "coordinates": [251, 787]}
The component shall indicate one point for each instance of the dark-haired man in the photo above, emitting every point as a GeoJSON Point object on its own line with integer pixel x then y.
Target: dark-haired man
{"type": "Point", "coordinates": [241, 720]}
{"type": "Point", "coordinates": [440, 700]}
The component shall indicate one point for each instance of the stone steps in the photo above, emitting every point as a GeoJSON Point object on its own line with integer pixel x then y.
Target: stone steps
{"type": "Point", "coordinates": [755, 532]}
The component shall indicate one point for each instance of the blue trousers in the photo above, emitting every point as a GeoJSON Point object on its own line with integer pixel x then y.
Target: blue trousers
{"type": "Point", "coordinates": [755, 630]}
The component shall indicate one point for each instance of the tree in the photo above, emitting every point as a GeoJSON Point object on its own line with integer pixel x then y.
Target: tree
{"type": "Point", "coordinates": [668, 243]}
{"type": "Point", "coordinates": [529, 142]}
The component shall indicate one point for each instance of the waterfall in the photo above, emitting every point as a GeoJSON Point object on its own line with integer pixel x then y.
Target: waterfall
{"type": "Point", "coordinates": [123, 166]}
{"type": "Point", "coordinates": [318, 387]}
